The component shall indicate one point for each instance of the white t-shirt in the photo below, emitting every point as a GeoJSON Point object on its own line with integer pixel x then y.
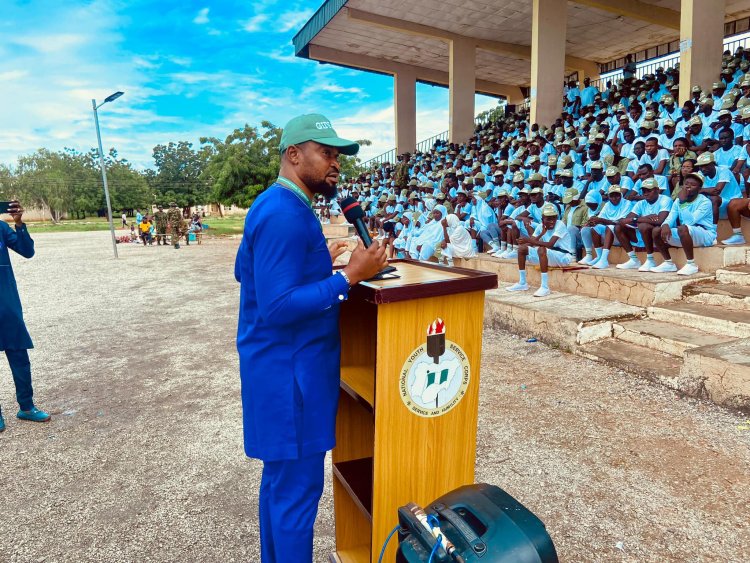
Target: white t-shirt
{"type": "Point", "coordinates": [613, 213]}
{"type": "Point", "coordinates": [661, 154]}
{"type": "Point", "coordinates": [643, 207]}
{"type": "Point", "coordinates": [723, 174]}
{"type": "Point", "coordinates": [727, 158]}
{"type": "Point", "coordinates": [559, 231]}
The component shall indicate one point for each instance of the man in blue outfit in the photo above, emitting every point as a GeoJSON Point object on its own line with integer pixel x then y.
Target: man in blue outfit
{"type": "Point", "coordinates": [14, 338]}
{"type": "Point", "coordinates": [288, 334]}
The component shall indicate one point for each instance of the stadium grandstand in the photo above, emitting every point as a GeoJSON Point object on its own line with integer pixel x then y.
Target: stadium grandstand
{"type": "Point", "coordinates": [614, 177]}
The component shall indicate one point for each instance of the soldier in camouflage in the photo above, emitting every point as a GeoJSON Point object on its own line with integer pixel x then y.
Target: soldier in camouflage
{"type": "Point", "coordinates": [160, 224]}
{"type": "Point", "coordinates": [176, 224]}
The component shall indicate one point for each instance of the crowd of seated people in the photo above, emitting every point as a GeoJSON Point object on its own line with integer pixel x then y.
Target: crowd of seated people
{"type": "Point", "coordinates": [624, 167]}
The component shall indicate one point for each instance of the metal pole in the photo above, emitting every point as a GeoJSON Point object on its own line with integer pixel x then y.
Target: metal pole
{"type": "Point", "coordinates": [104, 179]}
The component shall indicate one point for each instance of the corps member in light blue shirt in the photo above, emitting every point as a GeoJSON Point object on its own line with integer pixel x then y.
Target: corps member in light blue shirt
{"type": "Point", "coordinates": [719, 185]}
{"type": "Point", "coordinates": [656, 157]}
{"type": "Point", "coordinates": [688, 225]}
{"type": "Point", "coordinates": [599, 232]}
{"type": "Point", "coordinates": [550, 245]}
{"type": "Point", "coordinates": [729, 154]}
{"type": "Point", "coordinates": [636, 229]}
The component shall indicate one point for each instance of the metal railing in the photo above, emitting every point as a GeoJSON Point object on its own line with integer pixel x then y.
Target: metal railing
{"type": "Point", "coordinates": [388, 156]}
{"type": "Point", "coordinates": [427, 144]}
{"type": "Point", "coordinates": [669, 60]}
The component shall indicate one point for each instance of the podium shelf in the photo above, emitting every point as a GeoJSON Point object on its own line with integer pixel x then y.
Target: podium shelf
{"type": "Point", "coordinates": [353, 555]}
{"type": "Point", "coordinates": [359, 382]}
{"type": "Point", "coordinates": [356, 477]}
{"type": "Point", "coordinates": [422, 279]}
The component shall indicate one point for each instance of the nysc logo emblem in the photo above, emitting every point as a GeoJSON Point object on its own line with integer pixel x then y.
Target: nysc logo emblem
{"type": "Point", "coordinates": [436, 375]}
{"type": "Point", "coordinates": [323, 125]}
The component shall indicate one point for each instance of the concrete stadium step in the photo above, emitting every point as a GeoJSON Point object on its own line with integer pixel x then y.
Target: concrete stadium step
{"type": "Point", "coordinates": [708, 259]}
{"type": "Point", "coordinates": [720, 372]}
{"type": "Point", "coordinates": [640, 289]}
{"type": "Point", "coordinates": [561, 320]}
{"type": "Point", "coordinates": [724, 229]}
{"type": "Point", "coordinates": [631, 358]}
{"type": "Point", "coordinates": [731, 296]}
{"type": "Point", "coordinates": [736, 275]}
{"type": "Point", "coordinates": [664, 337]}
{"type": "Point", "coordinates": [340, 230]}
{"type": "Point", "coordinates": [708, 318]}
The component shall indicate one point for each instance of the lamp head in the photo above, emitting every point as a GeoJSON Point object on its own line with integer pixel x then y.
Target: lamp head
{"type": "Point", "coordinates": [113, 97]}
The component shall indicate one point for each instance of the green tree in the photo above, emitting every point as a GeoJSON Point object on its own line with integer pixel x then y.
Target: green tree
{"type": "Point", "coordinates": [351, 166]}
{"type": "Point", "coordinates": [240, 167]}
{"type": "Point", "coordinates": [178, 175]}
{"type": "Point", "coordinates": [44, 180]}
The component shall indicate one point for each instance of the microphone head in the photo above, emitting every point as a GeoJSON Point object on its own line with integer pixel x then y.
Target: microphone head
{"type": "Point", "coordinates": [352, 209]}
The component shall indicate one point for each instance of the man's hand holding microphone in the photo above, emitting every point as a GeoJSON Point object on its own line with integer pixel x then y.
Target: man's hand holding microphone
{"type": "Point", "coordinates": [369, 258]}
{"type": "Point", "coordinates": [366, 262]}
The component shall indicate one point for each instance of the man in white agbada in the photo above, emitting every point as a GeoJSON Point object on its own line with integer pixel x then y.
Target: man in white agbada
{"type": "Point", "coordinates": [457, 242]}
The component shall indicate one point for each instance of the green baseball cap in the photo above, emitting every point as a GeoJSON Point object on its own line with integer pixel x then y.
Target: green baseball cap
{"type": "Point", "coordinates": [315, 127]}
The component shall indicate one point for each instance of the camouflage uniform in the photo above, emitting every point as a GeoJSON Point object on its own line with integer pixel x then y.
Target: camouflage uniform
{"type": "Point", "coordinates": [176, 225]}
{"type": "Point", "coordinates": [160, 224]}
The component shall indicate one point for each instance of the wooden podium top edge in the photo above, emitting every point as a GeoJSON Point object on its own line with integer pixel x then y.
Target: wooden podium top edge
{"type": "Point", "coordinates": [420, 280]}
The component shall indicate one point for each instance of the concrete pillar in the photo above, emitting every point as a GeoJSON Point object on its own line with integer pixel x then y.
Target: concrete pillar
{"type": "Point", "coordinates": [701, 36]}
{"type": "Point", "coordinates": [462, 85]}
{"type": "Point", "coordinates": [548, 27]}
{"type": "Point", "coordinates": [405, 109]}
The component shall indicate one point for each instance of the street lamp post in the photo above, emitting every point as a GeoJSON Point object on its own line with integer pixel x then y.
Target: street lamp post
{"type": "Point", "coordinates": [109, 98]}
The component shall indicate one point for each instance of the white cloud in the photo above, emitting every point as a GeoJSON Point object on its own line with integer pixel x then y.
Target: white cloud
{"type": "Point", "coordinates": [333, 88]}
{"type": "Point", "coordinates": [255, 23]}
{"type": "Point", "coordinates": [10, 75]}
{"type": "Point", "coordinates": [51, 43]}
{"type": "Point", "coordinates": [286, 55]}
{"type": "Point", "coordinates": [202, 17]}
{"type": "Point", "coordinates": [293, 20]}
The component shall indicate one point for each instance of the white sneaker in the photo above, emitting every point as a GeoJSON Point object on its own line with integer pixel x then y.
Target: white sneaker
{"type": "Point", "coordinates": [510, 254]}
{"type": "Point", "coordinates": [632, 264]}
{"type": "Point", "coordinates": [587, 260]}
{"type": "Point", "coordinates": [518, 287]}
{"type": "Point", "coordinates": [542, 292]}
{"type": "Point", "coordinates": [664, 268]}
{"type": "Point", "coordinates": [648, 265]}
{"type": "Point", "coordinates": [499, 252]}
{"type": "Point", "coordinates": [736, 238]}
{"type": "Point", "coordinates": [600, 264]}
{"type": "Point", "coordinates": [688, 270]}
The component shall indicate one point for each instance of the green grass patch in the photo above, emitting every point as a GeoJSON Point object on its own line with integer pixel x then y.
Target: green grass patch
{"type": "Point", "coordinates": [229, 225]}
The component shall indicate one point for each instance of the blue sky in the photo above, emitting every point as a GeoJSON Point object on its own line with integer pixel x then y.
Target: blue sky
{"type": "Point", "coordinates": [188, 69]}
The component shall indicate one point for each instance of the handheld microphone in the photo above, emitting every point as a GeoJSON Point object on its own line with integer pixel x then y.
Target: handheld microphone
{"type": "Point", "coordinates": [354, 213]}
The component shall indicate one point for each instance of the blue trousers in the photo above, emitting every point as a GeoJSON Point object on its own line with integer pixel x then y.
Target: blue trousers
{"type": "Point", "coordinates": [20, 367]}
{"type": "Point", "coordinates": [289, 495]}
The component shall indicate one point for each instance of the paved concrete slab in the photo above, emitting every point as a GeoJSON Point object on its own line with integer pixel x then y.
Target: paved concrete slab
{"type": "Point", "coordinates": [721, 373]}
{"type": "Point", "coordinates": [562, 320]}
{"type": "Point", "coordinates": [736, 297]}
{"type": "Point", "coordinates": [632, 358]}
{"type": "Point", "coordinates": [664, 337]}
{"type": "Point", "coordinates": [709, 318]}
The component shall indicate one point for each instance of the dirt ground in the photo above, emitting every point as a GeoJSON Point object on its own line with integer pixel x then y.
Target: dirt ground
{"type": "Point", "coordinates": [143, 459]}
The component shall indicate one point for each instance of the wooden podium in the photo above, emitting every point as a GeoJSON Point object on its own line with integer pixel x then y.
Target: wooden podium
{"type": "Point", "coordinates": [407, 418]}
